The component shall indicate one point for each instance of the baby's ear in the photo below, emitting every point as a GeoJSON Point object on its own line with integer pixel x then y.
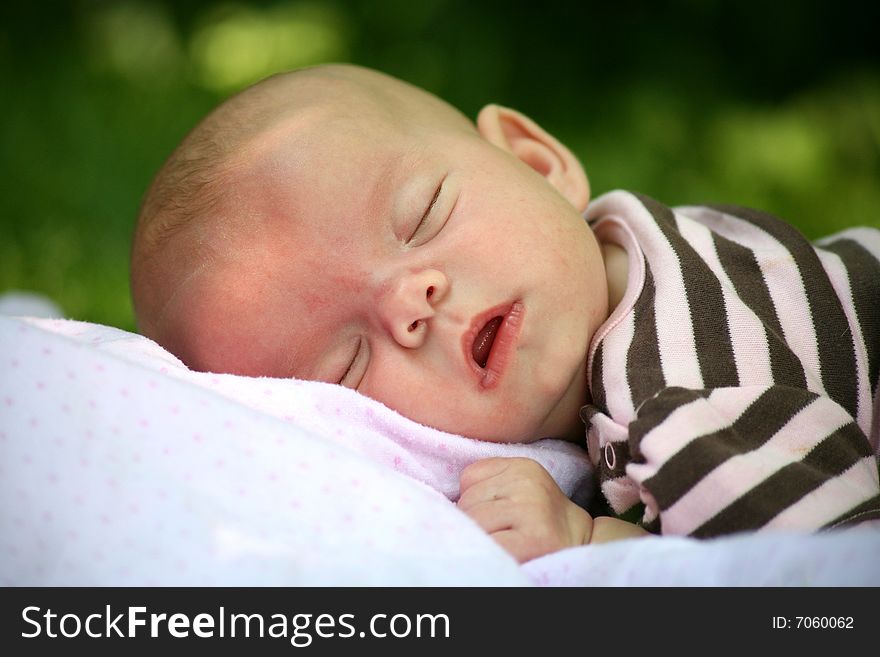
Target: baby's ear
{"type": "Point", "coordinates": [526, 140]}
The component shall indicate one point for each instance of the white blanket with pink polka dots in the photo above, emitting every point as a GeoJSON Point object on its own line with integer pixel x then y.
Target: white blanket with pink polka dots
{"type": "Point", "coordinates": [120, 467]}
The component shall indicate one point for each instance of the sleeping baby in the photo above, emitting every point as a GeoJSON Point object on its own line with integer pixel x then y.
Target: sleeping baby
{"type": "Point", "coordinates": [336, 224]}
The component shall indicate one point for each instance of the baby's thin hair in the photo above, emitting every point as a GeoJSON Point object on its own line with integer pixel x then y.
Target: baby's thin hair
{"type": "Point", "coordinates": [185, 188]}
{"type": "Point", "coordinates": [190, 187]}
{"type": "Point", "coordinates": [191, 182]}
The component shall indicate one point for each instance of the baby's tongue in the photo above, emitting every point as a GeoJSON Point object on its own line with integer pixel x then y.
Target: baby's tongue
{"type": "Point", "coordinates": [485, 338]}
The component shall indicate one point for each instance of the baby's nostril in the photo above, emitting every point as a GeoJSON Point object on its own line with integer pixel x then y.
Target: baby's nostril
{"type": "Point", "coordinates": [412, 327]}
{"type": "Point", "coordinates": [430, 291]}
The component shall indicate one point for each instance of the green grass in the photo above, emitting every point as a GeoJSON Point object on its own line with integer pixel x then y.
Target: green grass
{"type": "Point", "coordinates": [687, 105]}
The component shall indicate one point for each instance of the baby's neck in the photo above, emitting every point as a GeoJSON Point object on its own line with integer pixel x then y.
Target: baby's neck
{"type": "Point", "coordinates": [616, 272]}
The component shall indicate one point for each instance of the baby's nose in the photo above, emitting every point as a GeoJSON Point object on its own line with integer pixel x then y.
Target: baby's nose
{"type": "Point", "coordinates": [410, 303]}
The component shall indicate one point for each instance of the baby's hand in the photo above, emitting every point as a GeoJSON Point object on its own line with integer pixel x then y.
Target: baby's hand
{"type": "Point", "coordinates": [517, 502]}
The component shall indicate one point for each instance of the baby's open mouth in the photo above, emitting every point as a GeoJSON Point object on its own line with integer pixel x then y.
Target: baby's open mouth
{"type": "Point", "coordinates": [484, 340]}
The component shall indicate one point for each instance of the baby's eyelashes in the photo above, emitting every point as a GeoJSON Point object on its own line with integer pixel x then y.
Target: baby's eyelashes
{"type": "Point", "coordinates": [422, 231]}
{"type": "Point", "coordinates": [357, 366]}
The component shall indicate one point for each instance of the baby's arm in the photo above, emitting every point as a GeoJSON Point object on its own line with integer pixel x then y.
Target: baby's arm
{"type": "Point", "coordinates": [518, 503]}
{"type": "Point", "coordinates": [735, 459]}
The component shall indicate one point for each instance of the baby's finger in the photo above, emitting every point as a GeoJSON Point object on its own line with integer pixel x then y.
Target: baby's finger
{"type": "Point", "coordinates": [481, 470]}
{"type": "Point", "coordinates": [520, 547]}
{"type": "Point", "coordinates": [492, 515]}
{"type": "Point", "coordinates": [478, 493]}
{"type": "Point", "coordinates": [495, 488]}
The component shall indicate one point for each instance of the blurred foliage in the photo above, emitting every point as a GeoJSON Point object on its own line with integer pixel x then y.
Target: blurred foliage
{"type": "Point", "coordinates": [769, 104]}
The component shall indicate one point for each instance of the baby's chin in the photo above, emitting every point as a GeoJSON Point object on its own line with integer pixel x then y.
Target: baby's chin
{"type": "Point", "coordinates": [501, 433]}
{"type": "Point", "coordinates": [522, 423]}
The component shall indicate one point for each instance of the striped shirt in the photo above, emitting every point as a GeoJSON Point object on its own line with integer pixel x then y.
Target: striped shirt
{"type": "Point", "coordinates": [735, 386]}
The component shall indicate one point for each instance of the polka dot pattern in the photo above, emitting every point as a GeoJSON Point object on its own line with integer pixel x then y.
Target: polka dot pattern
{"type": "Point", "coordinates": [118, 466]}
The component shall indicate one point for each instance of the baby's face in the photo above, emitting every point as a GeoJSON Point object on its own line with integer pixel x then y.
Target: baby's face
{"type": "Point", "coordinates": [426, 268]}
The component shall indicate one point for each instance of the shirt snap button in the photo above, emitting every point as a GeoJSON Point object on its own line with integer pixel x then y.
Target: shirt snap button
{"type": "Point", "coordinates": [610, 457]}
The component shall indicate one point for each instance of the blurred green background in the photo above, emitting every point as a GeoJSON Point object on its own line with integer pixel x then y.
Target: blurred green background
{"type": "Point", "coordinates": [769, 104]}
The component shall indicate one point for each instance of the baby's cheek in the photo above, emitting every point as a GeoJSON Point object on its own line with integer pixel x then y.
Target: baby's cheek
{"type": "Point", "coordinates": [326, 290]}
{"type": "Point", "coordinates": [509, 421]}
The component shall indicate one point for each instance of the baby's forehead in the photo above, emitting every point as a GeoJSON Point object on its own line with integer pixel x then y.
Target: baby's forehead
{"type": "Point", "coordinates": [313, 162]}
{"type": "Point", "coordinates": [320, 158]}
